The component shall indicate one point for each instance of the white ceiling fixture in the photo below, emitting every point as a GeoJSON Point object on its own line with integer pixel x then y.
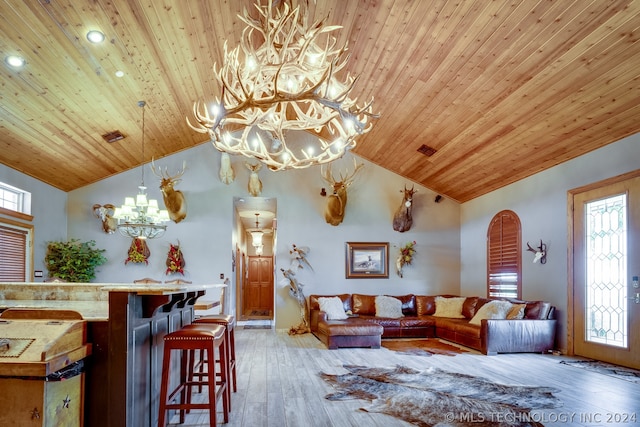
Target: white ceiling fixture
{"type": "Point", "coordinates": [287, 87]}
{"type": "Point", "coordinates": [258, 231]}
{"type": "Point", "coordinates": [140, 217]}
{"type": "Point", "coordinates": [15, 61]}
{"type": "Point", "coordinates": [95, 36]}
{"type": "Point", "coordinates": [256, 234]}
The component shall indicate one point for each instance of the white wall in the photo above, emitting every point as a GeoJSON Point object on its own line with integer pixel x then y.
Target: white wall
{"type": "Point", "coordinates": [48, 208]}
{"type": "Point", "coordinates": [207, 234]}
{"type": "Point", "coordinates": [541, 203]}
{"type": "Point", "coordinates": [451, 239]}
{"type": "Point", "coordinates": [208, 224]}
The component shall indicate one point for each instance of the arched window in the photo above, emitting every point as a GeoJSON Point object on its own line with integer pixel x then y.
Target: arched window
{"type": "Point", "coordinates": [504, 256]}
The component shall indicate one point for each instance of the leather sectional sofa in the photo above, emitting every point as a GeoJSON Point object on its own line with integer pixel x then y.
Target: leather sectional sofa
{"type": "Point", "coordinates": [534, 332]}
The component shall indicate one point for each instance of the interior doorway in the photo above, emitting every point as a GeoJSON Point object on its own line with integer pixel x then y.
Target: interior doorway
{"type": "Point", "coordinates": [258, 299]}
{"type": "Point", "coordinates": [255, 257]}
{"type": "Point", "coordinates": [605, 293]}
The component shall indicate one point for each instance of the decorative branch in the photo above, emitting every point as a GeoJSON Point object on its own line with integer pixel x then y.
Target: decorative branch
{"type": "Point", "coordinates": [295, 290]}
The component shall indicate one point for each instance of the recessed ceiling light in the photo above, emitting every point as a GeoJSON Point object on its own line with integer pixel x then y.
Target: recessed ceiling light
{"type": "Point", "coordinates": [95, 36]}
{"type": "Point", "coordinates": [119, 73]}
{"type": "Point", "coordinates": [15, 61]}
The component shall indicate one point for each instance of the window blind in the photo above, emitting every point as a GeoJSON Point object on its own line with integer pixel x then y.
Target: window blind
{"type": "Point", "coordinates": [13, 249]}
{"type": "Point", "coordinates": [504, 270]}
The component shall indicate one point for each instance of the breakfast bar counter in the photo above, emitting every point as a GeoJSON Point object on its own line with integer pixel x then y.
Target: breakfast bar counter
{"type": "Point", "coordinates": [126, 326]}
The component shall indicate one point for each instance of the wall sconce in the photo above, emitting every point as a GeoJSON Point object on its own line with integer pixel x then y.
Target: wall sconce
{"type": "Point", "coordinates": [541, 252]}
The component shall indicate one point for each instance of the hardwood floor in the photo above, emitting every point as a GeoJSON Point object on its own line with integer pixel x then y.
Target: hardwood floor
{"type": "Point", "coordinates": [278, 384]}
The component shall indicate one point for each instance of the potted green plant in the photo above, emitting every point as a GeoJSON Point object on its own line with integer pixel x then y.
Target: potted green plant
{"type": "Point", "coordinates": [74, 261]}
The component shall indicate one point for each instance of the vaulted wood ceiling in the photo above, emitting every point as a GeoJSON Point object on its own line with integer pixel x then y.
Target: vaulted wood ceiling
{"type": "Point", "coordinates": [500, 89]}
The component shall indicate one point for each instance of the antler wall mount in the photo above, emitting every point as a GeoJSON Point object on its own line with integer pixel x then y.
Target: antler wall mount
{"type": "Point", "coordinates": [541, 252]}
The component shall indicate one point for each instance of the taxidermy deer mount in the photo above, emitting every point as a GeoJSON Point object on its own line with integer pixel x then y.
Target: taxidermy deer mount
{"type": "Point", "coordinates": [255, 185]}
{"type": "Point", "coordinates": [402, 220]}
{"type": "Point", "coordinates": [227, 174]}
{"type": "Point", "coordinates": [174, 200]}
{"type": "Point", "coordinates": [337, 201]}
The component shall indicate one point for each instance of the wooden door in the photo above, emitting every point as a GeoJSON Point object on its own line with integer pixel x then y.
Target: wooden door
{"type": "Point", "coordinates": [258, 293]}
{"type": "Point", "coordinates": [606, 260]}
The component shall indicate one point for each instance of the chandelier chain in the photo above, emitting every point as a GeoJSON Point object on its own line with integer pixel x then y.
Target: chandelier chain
{"type": "Point", "coordinates": [142, 104]}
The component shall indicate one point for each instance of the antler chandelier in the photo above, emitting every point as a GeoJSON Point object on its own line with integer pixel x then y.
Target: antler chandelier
{"type": "Point", "coordinates": [287, 85]}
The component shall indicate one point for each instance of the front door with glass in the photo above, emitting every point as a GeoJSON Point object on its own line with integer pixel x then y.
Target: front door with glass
{"type": "Point", "coordinates": [606, 263]}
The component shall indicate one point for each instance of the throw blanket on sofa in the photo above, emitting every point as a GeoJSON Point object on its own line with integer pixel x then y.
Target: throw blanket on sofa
{"type": "Point", "coordinates": [429, 397]}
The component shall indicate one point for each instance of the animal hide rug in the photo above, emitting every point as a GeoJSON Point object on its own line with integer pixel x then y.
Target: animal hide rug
{"type": "Point", "coordinates": [438, 398]}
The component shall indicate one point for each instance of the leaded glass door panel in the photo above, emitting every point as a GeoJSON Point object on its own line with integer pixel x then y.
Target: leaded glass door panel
{"type": "Point", "coordinates": [606, 259]}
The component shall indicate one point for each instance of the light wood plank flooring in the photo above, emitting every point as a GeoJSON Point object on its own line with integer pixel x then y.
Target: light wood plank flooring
{"type": "Point", "coordinates": [278, 384]}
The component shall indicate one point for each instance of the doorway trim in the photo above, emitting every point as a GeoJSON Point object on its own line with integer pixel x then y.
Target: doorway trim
{"type": "Point", "coordinates": [571, 246]}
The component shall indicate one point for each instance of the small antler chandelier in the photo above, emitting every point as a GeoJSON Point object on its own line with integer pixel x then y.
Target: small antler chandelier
{"type": "Point", "coordinates": [276, 94]}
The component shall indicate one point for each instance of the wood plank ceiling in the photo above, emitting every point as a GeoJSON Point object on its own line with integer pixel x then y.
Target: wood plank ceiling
{"type": "Point", "coordinates": [500, 89]}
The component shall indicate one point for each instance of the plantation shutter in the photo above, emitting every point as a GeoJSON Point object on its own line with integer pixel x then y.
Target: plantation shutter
{"type": "Point", "coordinates": [13, 249]}
{"type": "Point", "coordinates": [504, 271]}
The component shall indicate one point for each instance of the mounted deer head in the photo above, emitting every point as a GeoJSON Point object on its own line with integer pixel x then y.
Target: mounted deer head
{"type": "Point", "coordinates": [255, 185]}
{"type": "Point", "coordinates": [402, 220]}
{"type": "Point", "coordinates": [541, 252]}
{"type": "Point", "coordinates": [227, 174]}
{"type": "Point", "coordinates": [174, 200]}
{"type": "Point", "coordinates": [337, 202]}
{"type": "Point", "coordinates": [105, 214]}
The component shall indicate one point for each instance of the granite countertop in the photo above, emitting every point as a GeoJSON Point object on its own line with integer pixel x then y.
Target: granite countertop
{"type": "Point", "coordinates": [92, 311]}
{"type": "Point", "coordinates": [158, 289]}
{"type": "Point", "coordinates": [89, 299]}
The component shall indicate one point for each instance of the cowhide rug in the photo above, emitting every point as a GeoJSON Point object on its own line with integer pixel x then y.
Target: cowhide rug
{"type": "Point", "coordinates": [434, 397]}
{"type": "Point", "coordinates": [620, 372]}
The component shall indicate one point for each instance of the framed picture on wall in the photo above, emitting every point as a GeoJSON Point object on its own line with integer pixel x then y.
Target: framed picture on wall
{"type": "Point", "coordinates": [367, 260]}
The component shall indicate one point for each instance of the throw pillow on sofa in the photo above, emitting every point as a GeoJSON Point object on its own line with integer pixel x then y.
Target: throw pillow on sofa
{"type": "Point", "coordinates": [425, 305]}
{"type": "Point", "coordinates": [492, 310]}
{"type": "Point", "coordinates": [333, 307]}
{"type": "Point", "coordinates": [389, 307]}
{"type": "Point", "coordinates": [449, 307]}
{"type": "Point", "coordinates": [516, 311]}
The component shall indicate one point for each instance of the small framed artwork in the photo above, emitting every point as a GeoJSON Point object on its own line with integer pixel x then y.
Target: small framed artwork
{"type": "Point", "coordinates": [367, 260]}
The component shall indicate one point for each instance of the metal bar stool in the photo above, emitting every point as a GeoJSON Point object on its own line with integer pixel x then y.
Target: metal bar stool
{"type": "Point", "coordinates": [228, 321]}
{"type": "Point", "coordinates": [187, 340]}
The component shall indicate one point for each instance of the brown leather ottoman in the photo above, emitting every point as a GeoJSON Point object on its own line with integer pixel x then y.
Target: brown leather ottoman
{"type": "Point", "coordinates": [349, 333]}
